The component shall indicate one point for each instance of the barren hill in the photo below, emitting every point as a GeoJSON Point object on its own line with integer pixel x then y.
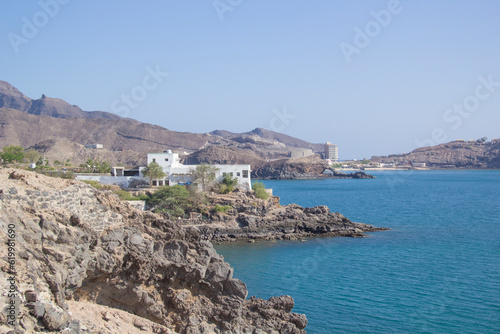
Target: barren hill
{"type": "Point", "coordinates": [272, 135]}
{"type": "Point", "coordinates": [459, 154]}
{"type": "Point", "coordinates": [44, 122]}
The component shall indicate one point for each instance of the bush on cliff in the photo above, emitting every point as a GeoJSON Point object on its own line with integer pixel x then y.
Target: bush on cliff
{"type": "Point", "coordinates": [260, 190]}
{"type": "Point", "coordinates": [176, 200]}
{"type": "Point", "coordinates": [228, 184]}
{"type": "Point", "coordinates": [12, 153]}
{"type": "Point", "coordinates": [126, 196]}
{"type": "Point", "coordinates": [222, 208]}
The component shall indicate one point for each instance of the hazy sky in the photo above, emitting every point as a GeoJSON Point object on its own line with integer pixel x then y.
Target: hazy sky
{"type": "Point", "coordinates": [374, 77]}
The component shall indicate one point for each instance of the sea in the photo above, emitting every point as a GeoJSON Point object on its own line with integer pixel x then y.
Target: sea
{"type": "Point", "coordinates": [437, 270]}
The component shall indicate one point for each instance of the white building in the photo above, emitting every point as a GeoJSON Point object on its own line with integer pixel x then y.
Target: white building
{"type": "Point", "coordinates": [331, 152]}
{"type": "Point", "coordinates": [177, 173]}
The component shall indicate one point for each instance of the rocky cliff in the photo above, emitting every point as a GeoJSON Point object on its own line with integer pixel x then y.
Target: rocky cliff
{"type": "Point", "coordinates": [79, 260]}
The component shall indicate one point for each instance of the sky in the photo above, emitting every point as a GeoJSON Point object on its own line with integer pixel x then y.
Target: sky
{"type": "Point", "coordinates": [374, 77]}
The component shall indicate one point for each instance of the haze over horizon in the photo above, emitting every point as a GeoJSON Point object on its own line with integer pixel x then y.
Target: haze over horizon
{"type": "Point", "coordinates": [373, 77]}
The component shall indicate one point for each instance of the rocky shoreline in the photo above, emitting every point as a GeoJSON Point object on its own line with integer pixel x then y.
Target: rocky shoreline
{"type": "Point", "coordinates": [251, 219]}
{"type": "Point", "coordinates": [84, 261]}
{"type": "Point", "coordinates": [307, 176]}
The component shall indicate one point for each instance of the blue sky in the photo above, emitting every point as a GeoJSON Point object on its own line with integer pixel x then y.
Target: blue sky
{"type": "Point", "coordinates": [374, 77]}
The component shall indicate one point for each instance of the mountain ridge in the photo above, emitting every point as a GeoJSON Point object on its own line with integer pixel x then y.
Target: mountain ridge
{"type": "Point", "coordinates": [29, 122]}
{"type": "Point", "coordinates": [11, 97]}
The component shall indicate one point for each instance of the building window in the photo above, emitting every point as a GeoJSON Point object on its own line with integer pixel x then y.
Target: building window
{"type": "Point", "coordinates": [245, 174]}
{"type": "Point", "coordinates": [231, 173]}
{"type": "Point", "coordinates": [154, 160]}
{"type": "Point", "coordinates": [237, 173]}
{"type": "Point", "coordinates": [224, 174]}
{"type": "Point", "coordinates": [166, 159]}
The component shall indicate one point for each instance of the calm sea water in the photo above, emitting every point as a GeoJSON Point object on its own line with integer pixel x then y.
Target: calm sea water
{"type": "Point", "coordinates": [436, 271]}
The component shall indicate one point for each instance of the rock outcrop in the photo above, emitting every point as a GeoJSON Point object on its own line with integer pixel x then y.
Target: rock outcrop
{"type": "Point", "coordinates": [249, 218]}
{"type": "Point", "coordinates": [83, 261]}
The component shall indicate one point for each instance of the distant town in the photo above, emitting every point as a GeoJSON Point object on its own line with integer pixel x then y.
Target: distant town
{"type": "Point", "coordinates": [423, 158]}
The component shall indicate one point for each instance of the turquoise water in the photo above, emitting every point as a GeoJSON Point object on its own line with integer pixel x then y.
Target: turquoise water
{"type": "Point", "coordinates": [436, 271]}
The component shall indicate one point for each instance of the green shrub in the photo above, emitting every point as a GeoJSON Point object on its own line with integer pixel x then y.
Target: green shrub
{"type": "Point", "coordinates": [224, 189]}
{"type": "Point", "coordinates": [12, 153]}
{"type": "Point", "coordinates": [228, 184]}
{"type": "Point", "coordinates": [260, 190]}
{"type": "Point", "coordinates": [222, 208]}
{"type": "Point", "coordinates": [142, 197]}
{"type": "Point", "coordinates": [124, 195]}
{"type": "Point", "coordinates": [176, 200]}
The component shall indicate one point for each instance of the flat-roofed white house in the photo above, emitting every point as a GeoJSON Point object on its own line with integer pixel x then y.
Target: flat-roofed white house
{"type": "Point", "coordinates": [177, 173]}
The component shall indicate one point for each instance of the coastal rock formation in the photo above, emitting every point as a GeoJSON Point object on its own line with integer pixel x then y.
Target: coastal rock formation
{"type": "Point", "coordinates": [249, 218]}
{"type": "Point", "coordinates": [83, 261]}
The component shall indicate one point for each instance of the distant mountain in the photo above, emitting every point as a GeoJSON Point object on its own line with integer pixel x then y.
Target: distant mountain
{"type": "Point", "coordinates": [11, 97]}
{"type": "Point", "coordinates": [457, 154]}
{"type": "Point", "coordinates": [287, 140]}
{"type": "Point", "coordinates": [60, 131]}
{"type": "Point", "coordinates": [271, 135]}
